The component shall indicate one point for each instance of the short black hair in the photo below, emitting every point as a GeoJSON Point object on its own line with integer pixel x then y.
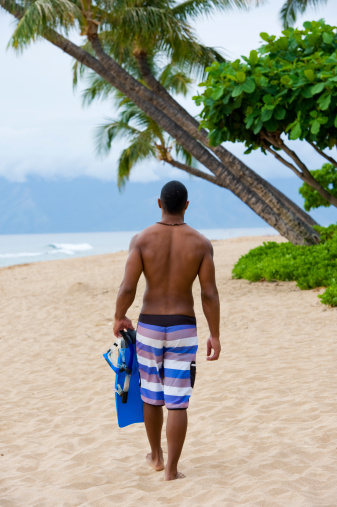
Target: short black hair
{"type": "Point", "coordinates": [174, 197]}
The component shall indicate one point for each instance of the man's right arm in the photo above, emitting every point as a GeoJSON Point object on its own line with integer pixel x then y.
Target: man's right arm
{"type": "Point", "coordinates": [210, 302]}
{"type": "Point", "coordinates": [127, 290]}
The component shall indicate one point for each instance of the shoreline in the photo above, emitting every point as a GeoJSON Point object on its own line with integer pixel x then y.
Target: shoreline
{"type": "Point", "coordinates": [27, 249]}
{"type": "Point", "coordinates": [262, 419]}
{"type": "Point", "coordinates": [213, 241]}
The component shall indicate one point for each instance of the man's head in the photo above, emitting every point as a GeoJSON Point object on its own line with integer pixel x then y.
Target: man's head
{"type": "Point", "coordinates": [173, 198]}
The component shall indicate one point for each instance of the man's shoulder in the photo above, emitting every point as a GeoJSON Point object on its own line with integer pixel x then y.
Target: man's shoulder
{"type": "Point", "coordinates": [189, 232]}
{"type": "Point", "coordinates": [143, 235]}
{"type": "Point", "coordinates": [199, 237]}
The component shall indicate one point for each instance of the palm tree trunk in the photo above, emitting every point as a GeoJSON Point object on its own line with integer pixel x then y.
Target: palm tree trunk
{"type": "Point", "coordinates": [201, 174]}
{"type": "Point", "coordinates": [298, 232]}
{"type": "Point", "coordinates": [291, 204]}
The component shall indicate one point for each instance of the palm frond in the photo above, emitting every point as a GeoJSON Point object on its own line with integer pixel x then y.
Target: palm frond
{"type": "Point", "coordinates": [39, 15]}
{"type": "Point", "coordinates": [79, 69]}
{"type": "Point", "coordinates": [98, 88]}
{"type": "Point", "coordinates": [184, 155]}
{"type": "Point", "coordinates": [175, 80]}
{"type": "Point", "coordinates": [141, 148]}
{"type": "Point", "coordinates": [144, 23]}
{"type": "Point", "coordinates": [195, 8]}
{"type": "Point", "coordinates": [15, 7]}
{"type": "Point", "coordinates": [131, 122]}
{"type": "Point", "coordinates": [106, 133]}
{"type": "Point", "coordinates": [193, 57]}
{"type": "Point", "coordinates": [116, 44]}
{"type": "Point", "coordinates": [292, 8]}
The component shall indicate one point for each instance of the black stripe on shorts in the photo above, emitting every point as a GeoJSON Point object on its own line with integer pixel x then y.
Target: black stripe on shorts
{"type": "Point", "coordinates": [167, 320]}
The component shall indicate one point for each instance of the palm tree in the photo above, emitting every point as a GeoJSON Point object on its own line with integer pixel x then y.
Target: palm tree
{"type": "Point", "coordinates": [127, 41]}
{"type": "Point", "coordinates": [146, 139]}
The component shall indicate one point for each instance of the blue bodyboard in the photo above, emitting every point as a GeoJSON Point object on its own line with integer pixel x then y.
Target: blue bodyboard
{"type": "Point", "coordinates": [131, 411]}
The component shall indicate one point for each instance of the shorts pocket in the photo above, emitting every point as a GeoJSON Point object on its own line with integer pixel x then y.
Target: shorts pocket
{"type": "Point", "coordinates": [193, 370]}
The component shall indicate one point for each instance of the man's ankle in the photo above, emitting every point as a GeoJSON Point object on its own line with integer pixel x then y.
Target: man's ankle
{"type": "Point", "coordinates": [157, 455]}
{"type": "Point", "coordinates": [171, 471]}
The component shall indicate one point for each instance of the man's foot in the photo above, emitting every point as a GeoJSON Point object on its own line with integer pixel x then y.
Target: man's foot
{"type": "Point", "coordinates": [173, 477]}
{"type": "Point", "coordinates": [157, 464]}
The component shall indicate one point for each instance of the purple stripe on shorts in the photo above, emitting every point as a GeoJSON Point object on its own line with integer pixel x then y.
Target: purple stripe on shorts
{"type": "Point", "coordinates": [177, 382]}
{"type": "Point", "coordinates": [149, 355]}
{"type": "Point", "coordinates": [188, 358]}
{"type": "Point", "coordinates": [174, 335]}
{"type": "Point", "coordinates": [151, 333]}
{"type": "Point", "coordinates": [183, 333]}
{"type": "Point", "coordinates": [173, 406]}
{"type": "Point", "coordinates": [151, 378]}
{"type": "Point", "coordinates": [152, 402]}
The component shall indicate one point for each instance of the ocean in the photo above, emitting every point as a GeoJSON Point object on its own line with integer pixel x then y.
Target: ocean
{"type": "Point", "coordinates": [26, 248]}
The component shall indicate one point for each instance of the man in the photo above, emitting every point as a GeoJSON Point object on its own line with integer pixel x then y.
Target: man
{"type": "Point", "coordinates": [171, 255]}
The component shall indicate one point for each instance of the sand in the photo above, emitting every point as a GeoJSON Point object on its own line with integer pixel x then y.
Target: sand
{"type": "Point", "coordinates": [262, 420]}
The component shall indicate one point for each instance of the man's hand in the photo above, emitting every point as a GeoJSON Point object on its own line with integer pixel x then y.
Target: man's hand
{"type": "Point", "coordinates": [213, 344]}
{"type": "Point", "coordinates": [121, 325]}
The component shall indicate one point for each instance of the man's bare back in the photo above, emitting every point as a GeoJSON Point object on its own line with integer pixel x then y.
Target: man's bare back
{"type": "Point", "coordinates": [171, 256]}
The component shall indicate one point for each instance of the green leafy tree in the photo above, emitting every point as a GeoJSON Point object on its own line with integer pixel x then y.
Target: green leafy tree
{"type": "Point", "coordinates": [126, 42]}
{"type": "Point", "coordinates": [327, 178]}
{"type": "Point", "coordinates": [286, 89]}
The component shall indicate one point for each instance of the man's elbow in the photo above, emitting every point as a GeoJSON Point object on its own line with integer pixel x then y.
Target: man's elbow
{"type": "Point", "coordinates": [210, 294]}
{"type": "Point", "coordinates": [127, 290]}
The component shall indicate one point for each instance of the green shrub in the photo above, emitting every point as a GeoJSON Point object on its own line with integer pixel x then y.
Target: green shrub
{"type": "Point", "coordinates": [310, 266]}
{"type": "Point", "coordinates": [326, 232]}
{"type": "Point", "coordinates": [330, 296]}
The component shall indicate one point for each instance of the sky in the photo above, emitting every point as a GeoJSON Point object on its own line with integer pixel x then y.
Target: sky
{"type": "Point", "coordinates": [45, 131]}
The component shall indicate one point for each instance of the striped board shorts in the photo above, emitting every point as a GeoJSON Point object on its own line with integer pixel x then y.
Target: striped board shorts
{"type": "Point", "coordinates": [166, 353]}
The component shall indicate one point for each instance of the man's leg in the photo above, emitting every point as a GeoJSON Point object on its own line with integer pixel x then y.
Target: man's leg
{"type": "Point", "coordinates": [175, 433]}
{"type": "Point", "coordinates": [181, 344]}
{"type": "Point", "coordinates": [153, 417]}
{"type": "Point", "coordinates": [149, 340]}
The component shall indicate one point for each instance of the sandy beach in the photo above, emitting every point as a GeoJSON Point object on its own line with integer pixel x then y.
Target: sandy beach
{"type": "Point", "coordinates": [262, 420]}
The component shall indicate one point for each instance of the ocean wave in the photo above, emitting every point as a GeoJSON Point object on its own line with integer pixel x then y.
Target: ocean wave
{"type": "Point", "coordinates": [54, 249]}
{"type": "Point", "coordinates": [20, 254]}
{"type": "Point", "coordinates": [71, 247]}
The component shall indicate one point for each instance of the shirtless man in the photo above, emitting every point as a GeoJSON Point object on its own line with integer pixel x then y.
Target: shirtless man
{"type": "Point", "coordinates": [171, 255]}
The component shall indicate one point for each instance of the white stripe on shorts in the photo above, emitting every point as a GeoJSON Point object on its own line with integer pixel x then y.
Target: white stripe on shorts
{"type": "Point", "coordinates": [151, 363]}
{"type": "Point", "coordinates": [158, 344]}
{"type": "Point", "coordinates": [151, 386]}
{"type": "Point", "coordinates": [177, 391]}
{"type": "Point", "coordinates": [171, 364]}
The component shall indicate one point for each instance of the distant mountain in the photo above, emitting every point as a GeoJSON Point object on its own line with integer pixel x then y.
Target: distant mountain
{"type": "Point", "coordinates": [91, 205]}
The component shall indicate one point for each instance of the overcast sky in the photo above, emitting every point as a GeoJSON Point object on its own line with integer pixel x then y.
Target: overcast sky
{"type": "Point", "coordinates": [44, 130]}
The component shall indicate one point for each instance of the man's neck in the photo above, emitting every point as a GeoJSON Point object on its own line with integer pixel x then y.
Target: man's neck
{"type": "Point", "coordinates": [172, 219]}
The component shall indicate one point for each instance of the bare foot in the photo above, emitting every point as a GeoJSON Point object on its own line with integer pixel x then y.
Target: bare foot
{"type": "Point", "coordinates": [157, 464]}
{"type": "Point", "coordinates": [170, 477]}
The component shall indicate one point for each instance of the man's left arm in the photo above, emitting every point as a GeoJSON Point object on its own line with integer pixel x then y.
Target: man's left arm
{"type": "Point", "coordinates": [127, 290]}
